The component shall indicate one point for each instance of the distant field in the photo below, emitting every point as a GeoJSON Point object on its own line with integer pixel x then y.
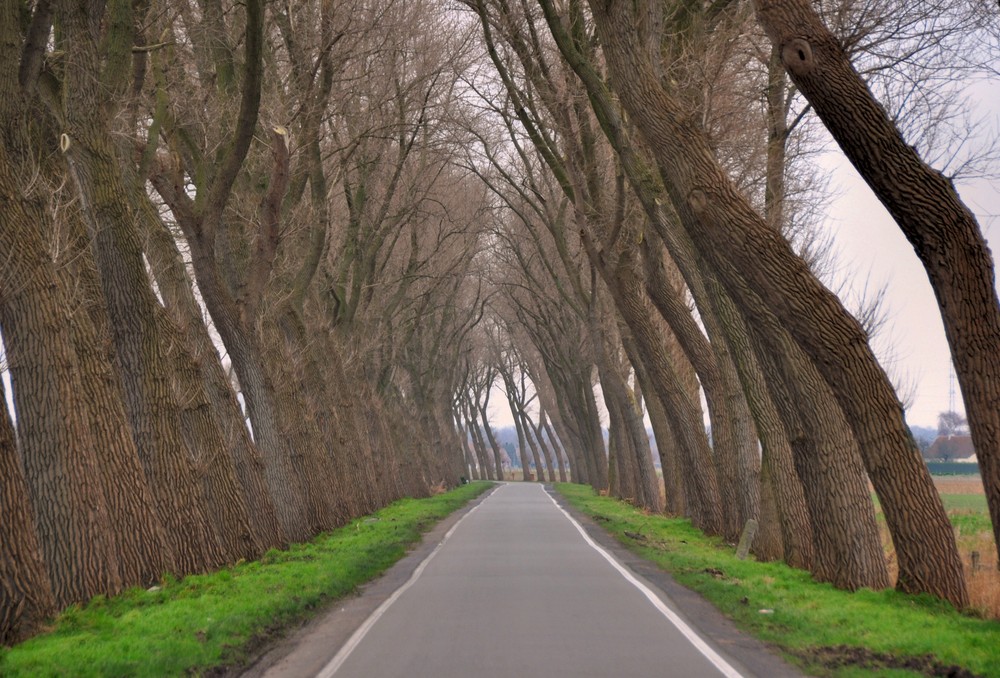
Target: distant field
{"type": "Point", "coordinates": [965, 501]}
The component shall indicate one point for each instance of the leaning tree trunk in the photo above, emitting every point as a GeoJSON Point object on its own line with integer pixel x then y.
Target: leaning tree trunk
{"type": "Point", "coordinates": [174, 284]}
{"type": "Point", "coordinates": [141, 546]}
{"type": "Point", "coordinates": [737, 485]}
{"type": "Point", "coordinates": [60, 462]}
{"type": "Point", "coordinates": [777, 459]}
{"type": "Point", "coordinates": [942, 229]}
{"type": "Point", "coordinates": [497, 456]}
{"type": "Point", "coordinates": [742, 248]}
{"type": "Point", "coordinates": [25, 595]}
{"type": "Point", "coordinates": [138, 345]}
{"type": "Point", "coordinates": [702, 488]}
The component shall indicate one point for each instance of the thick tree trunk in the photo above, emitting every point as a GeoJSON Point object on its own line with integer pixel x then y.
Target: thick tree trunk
{"type": "Point", "coordinates": [789, 499]}
{"type": "Point", "coordinates": [221, 492]}
{"type": "Point", "coordinates": [60, 463]}
{"type": "Point", "coordinates": [737, 484]}
{"type": "Point", "coordinates": [943, 231]}
{"type": "Point", "coordinates": [742, 247]}
{"type": "Point", "coordinates": [174, 285]}
{"type": "Point", "coordinates": [25, 595]}
{"type": "Point", "coordinates": [702, 488]}
{"type": "Point", "coordinates": [141, 546]}
{"type": "Point", "coordinates": [139, 348]}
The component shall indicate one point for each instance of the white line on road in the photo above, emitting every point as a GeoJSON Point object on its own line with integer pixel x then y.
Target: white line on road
{"type": "Point", "coordinates": [352, 643]}
{"type": "Point", "coordinates": [689, 633]}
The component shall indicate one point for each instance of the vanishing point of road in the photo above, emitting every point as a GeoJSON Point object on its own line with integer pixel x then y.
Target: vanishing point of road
{"type": "Point", "coordinates": [517, 588]}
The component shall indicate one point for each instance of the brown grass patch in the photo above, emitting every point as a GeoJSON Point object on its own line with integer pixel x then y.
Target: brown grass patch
{"type": "Point", "coordinates": [979, 553]}
{"type": "Point", "coordinates": [959, 484]}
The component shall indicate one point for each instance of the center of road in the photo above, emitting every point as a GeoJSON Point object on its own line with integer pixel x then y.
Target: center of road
{"type": "Point", "coordinates": [518, 588]}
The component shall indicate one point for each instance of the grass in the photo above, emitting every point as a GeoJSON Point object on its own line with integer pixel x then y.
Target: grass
{"type": "Point", "coordinates": [189, 626]}
{"type": "Point", "coordinates": [817, 626]}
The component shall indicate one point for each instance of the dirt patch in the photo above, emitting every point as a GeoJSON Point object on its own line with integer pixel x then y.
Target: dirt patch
{"type": "Point", "coordinates": [959, 484]}
{"type": "Point", "coordinates": [840, 656]}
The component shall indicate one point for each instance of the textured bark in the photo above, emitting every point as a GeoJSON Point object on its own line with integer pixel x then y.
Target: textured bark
{"type": "Point", "coordinates": [220, 490]}
{"type": "Point", "coordinates": [847, 550]}
{"type": "Point", "coordinates": [701, 488]}
{"type": "Point", "coordinates": [138, 345]}
{"type": "Point", "coordinates": [141, 546]}
{"type": "Point", "coordinates": [96, 174]}
{"type": "Point", "coordinates": [25, 596]}
{"type": "Point", "coordinates": [777, 461]}
{"type": "Point", "coordinates": [175, 287]}
{"type": "Point", "coordinates": [727, 444]}
{"type": "Point", "coordinates": [742, 248]}
{"type": "Point", "coordinates": [943, 231]}
{"type": "Point", "coordinates": [55, 443]}
{"type": "Point", "coordinates": [60, 463]}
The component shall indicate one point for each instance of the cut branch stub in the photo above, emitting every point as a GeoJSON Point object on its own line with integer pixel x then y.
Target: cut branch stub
{"type": "Point", "coordinates": [797, 56]}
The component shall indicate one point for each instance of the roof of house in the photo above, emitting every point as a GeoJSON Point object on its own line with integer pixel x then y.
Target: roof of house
{"type": "Point", "coordinates": [951, 447]}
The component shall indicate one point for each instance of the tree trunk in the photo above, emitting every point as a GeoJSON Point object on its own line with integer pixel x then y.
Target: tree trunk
{"type": "Point", "coordinates": [555, 444]}
{"type": "Point", "coordinates": [742, 247]}
{"type": "Point", "coordinates": [174, 285]}
{"type": "Point", "coordinates": [25, 595]}
{"type": "Point", "coordinates": [737, 484]}
{"type": "Point", "coordinates": [60, 463]}
{"type": "Point", "coordinates": [497, 457]}
{"type": "Point", "coordinates": [701, 489]}
{"type": "Point", "coordinates": [790, 502]}
{"type": "Point", "coordinates": [141, 547]}
{"type": "Point", "coordinates": [847, 550]}
{"type": "Point", "coordinates": [943, 231]}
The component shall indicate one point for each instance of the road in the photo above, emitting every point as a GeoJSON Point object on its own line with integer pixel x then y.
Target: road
{"type": "Point", "coordinates": [517, 589]}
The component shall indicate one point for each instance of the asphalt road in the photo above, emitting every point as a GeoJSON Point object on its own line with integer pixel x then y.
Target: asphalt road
{"type": "Point", "coordinates": [517, 589]}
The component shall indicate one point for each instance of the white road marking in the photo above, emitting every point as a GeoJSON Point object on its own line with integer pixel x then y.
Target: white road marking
{"type": "Point", "coordinates": [689, 633]}
{"type": "Point", "coordinates": [352, 643]}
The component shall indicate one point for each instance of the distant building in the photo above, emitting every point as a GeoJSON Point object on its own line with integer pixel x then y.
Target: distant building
{"type": "Point", "coordinates": [952, 448]}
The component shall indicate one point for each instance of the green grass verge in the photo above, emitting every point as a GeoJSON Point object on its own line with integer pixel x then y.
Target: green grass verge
{"type": "Point", "coordinates": [815, 625]}
{"type": "Point", "coordinates": [189, 626]}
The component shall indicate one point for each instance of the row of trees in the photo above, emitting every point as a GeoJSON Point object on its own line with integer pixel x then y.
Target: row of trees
{"type": "Point", "coordinates": [650, 162]}
{"type": "Point", "coordinates": [262, 266]}
{"type": "Point", "coordinates": [237, 269]}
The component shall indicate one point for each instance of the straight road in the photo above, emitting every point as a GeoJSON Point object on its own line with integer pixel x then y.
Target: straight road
{"type": "Point", "coordinates": [517, 589]}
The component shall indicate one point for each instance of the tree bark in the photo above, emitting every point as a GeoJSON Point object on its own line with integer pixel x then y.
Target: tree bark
{"type": "Point", "coordinates": [742, 247]}
{"type": "Point", "coordinates": [60, 463]}
{"type": "Point", "coordinates": [942, 229]}
{"type": "Point", "coordinates": [25, 595]}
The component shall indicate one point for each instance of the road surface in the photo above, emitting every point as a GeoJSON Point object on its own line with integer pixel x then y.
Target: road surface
{"type": "Point", "coordinates": [517, 589]}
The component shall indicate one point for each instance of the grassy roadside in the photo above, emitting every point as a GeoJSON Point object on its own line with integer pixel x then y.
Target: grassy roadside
{"type": "Point", "coordinates": [824, 631]}
{"type": "Point", "coordinates": [189, 626]}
